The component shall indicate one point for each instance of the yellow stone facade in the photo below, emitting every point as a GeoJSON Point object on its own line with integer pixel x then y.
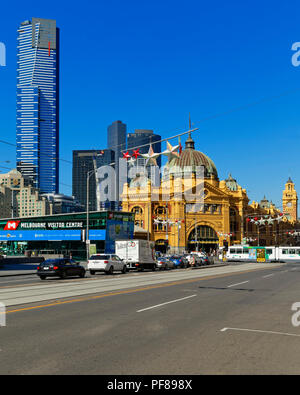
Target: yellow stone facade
{"type": "Point", "coordinates": [290, 201]}
{"type": "Point", "coordinates": [173, 210]}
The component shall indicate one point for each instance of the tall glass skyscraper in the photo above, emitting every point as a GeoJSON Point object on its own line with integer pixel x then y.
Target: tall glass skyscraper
{"type": "Point", "coordinates": [116, 140]}
{"type": "Point", "coordinates": [38, 103]}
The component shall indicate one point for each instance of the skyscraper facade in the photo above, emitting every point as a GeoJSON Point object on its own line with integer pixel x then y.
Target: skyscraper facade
{"type": "Point", "coordinates": [116, 140]}
{"type": "Point", "coordinates": [143, 138]}
{"type": "Point", "coordinates": [38, 103]}
{"type": "Point", "coordinates": [85, 161]}
{"type": "Point", "coordinates": [116, 137]}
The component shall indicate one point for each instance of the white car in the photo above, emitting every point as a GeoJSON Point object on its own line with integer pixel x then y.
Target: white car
{"type": "Point", "coordinates": [194, 259]}
{"type": "Point", "coordinates": [107, 263]}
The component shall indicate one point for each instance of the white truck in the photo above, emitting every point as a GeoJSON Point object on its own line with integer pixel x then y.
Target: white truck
{"type": "Point", "coordinates": [137, 254]}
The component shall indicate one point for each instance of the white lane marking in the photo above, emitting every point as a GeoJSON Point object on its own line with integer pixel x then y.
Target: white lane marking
{"type": "Point", "coordinates": [268, 275]}
{"type": "Point", "coordinates": [163, 304]}
{"type": "Point", "coordinates": [259, 331]}
{"type": "Point", "coordinates": [38, 292]}
{"type": "Point", "coordinates": [233, 285]}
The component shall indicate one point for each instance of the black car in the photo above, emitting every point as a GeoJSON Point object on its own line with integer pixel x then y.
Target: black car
{"type": "Point", "coordinates": [62, 267]}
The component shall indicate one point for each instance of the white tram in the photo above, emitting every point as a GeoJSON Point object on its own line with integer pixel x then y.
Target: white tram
{"type": "Point", "coordinates": [239, 253]}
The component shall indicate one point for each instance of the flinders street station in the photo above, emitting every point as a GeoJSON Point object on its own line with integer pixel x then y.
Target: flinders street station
{"type": "Point", "coordinates": [183, 211]}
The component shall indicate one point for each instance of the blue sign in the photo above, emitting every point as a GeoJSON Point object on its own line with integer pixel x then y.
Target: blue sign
{"type": "Point", "coordinates": [117, 230]}
{"type": "Point", "coordinates": [97, 234]}
{"type": "Point", "coordinates": [43, 235]}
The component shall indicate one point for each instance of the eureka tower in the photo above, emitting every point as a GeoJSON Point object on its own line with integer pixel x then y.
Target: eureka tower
{"type": "Point", "coordinates": [38, 103]}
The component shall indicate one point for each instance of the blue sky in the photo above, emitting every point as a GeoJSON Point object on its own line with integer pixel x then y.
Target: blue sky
{"type": "Point", "coordinates": [151, 63]}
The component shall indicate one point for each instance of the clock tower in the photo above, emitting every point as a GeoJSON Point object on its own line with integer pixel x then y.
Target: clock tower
{"type": "Point", "coordinates": [290, 200]}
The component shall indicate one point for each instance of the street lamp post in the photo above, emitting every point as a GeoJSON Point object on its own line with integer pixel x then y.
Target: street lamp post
{"type": "Point", "coordinates": [178, 224]}
{"type": "Point", "coordinates": [87, 236]}
{"type": "Point", "coordinates": [167, 226]}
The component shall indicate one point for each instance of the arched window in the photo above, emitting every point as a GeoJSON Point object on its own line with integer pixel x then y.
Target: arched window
{"type": "Point", "coordinates": [232, 212]}
{"type": "Point", "coordinates": [203, 233]}
{"type": "Point", "coordinates": [137, 210]}
{"type": "Point", "coordinates": [161, 210]}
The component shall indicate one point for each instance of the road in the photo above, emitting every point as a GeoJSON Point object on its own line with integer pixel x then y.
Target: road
{"type": "Point", "coordinates": [228, 320]}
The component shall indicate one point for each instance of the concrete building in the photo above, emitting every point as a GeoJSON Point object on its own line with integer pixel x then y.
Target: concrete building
{"type": "Point", "coordinates": [63, 204]}
{"type": "Point", "coordinates": [5, 201]}
{"type": "Point", "coordinates": [31, 203]}
{"type": "Point", "coordinates": [14, 180]}
{"type": "Point", "coordinates": [25, 200]}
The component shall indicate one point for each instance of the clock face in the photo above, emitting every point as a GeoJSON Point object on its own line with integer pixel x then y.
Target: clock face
{"type": "Point", "coordinates": [289, 204]}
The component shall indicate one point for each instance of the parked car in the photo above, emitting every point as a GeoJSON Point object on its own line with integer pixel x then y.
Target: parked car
{"type": "Point", "coordinates": [107, 263]}
{"type": "Point", "coordinates": [194, 260]}
{"type": "Point", "coordinates": [165, 263]}
{"type": "Point", "coordinates": [205, 260]}
{"type": "Point", "coordinates": [179, 261]}
{"type": "Point", "coordinates": [161, 263]}
{"type": "Point", "coordinates": [61, 267]}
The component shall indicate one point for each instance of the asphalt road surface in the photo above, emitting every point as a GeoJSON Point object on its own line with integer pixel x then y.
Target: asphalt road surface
{"type": "Point", "coordinates": [229, 320]}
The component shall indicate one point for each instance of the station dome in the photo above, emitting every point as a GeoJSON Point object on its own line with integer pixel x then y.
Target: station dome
{"type": "Point", "coordinates": [190, 159]}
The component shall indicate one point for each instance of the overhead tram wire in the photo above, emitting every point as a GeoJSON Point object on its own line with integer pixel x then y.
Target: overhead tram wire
{"type": "Point", "coordinates": [15, 145]}
{"type": "Point", "coordinates": [233, 110]}
{"type": "Point", "coordinates": [60, 159]}
{"type": "Point", "coordinates": [160, 141]}
{"type": "Point", "coordinates": [139, 146]}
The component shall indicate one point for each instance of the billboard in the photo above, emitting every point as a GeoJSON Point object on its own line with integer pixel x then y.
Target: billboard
{"type": "Point", "coordinates": [117, 230]}
{"type": "Point", "coordinates": [50, 235]}
{"type": "Point", "coordinates": [97, 234]}
{"type": "Point", "coordinates": [38, 235]}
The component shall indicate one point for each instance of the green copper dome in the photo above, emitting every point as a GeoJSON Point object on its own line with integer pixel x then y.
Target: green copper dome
{"type": "Point", "coordinates": [231, 183]}
{"type": "Point", "coordinates": [190, 159]}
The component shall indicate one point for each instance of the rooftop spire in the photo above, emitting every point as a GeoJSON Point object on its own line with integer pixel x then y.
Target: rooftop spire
{"type": "Point", "coordinates": [190, 142]}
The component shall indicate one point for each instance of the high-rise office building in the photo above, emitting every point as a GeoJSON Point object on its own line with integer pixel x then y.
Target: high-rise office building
{"type": "Point", "coordinates": [116, 140]}
{"type": "Point", "coordinates": [84, 162]}
{"type": "Point", "coordinates": [116, 137]}
{"type": "Point", "coordinates": [38, 103]}
{"type": "Point", "coordinates": [143, 138]}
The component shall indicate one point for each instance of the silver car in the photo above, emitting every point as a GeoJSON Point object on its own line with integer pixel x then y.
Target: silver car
{"type": "Point", "coordinates": [164, 263]}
